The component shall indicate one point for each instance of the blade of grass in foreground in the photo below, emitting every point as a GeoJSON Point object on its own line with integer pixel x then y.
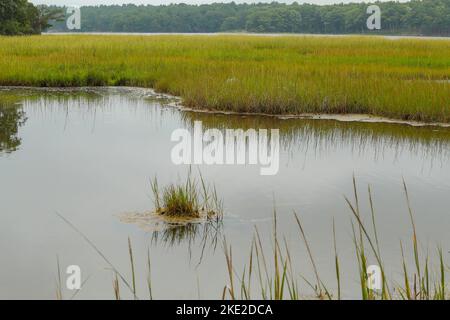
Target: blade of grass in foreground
{"type": "Point", "coordinates": [229, 259]}
{"type": "Point", "coordinates": [413, 225]}
{"type": "Point", "coordinates": [116, 287]}
{"type": "Point", "coordinates": [336, 263]}
{"type": "Point", "coordinates": [363, 230]}
{"type": "Point", "coordinates": [149, 275]}
{"type": "Point", "coordinates": [133, 276]}
{"type": "Point", "coordinates": [98, 252]}
{"type": "Point", "coordinates": [59, 295]}
{"type": "Point", "coordinates": [321, 289]}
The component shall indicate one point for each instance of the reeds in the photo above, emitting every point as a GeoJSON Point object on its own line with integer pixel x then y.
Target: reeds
{"type": "Point", "coordinates": [404, 79]}
{"type": "Point", "coordinates": [190, 199]}
{"type": "Point", "coordinates": [282, 281]}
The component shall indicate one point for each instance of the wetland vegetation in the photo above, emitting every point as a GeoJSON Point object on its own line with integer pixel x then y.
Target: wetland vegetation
{"type": "Point", "coordinates": [188, 200]}
{"type": "Point", "coordinates": [404, 79]}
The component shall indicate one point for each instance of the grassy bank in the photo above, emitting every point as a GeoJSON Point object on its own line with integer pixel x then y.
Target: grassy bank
{"type": "Point", "coordinates": [405, 79]}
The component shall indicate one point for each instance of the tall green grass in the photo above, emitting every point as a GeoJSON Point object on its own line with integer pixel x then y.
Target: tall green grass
{"type": "Point", "coordinates": [191, 199]}
{"type": "Point", "coordinates": [405, 79]}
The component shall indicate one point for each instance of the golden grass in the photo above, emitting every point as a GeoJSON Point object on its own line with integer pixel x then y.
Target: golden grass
{"type": "Point", "coordinates": [404, 79]}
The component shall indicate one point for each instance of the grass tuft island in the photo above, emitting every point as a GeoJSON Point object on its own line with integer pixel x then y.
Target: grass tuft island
{"type": "Point", "coordinates": [407, 79]}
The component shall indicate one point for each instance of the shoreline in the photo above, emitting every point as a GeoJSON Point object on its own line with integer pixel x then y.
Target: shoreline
{"type": "Point", "coordinates": [325, 35]}
{"type": "Point", "coordinates": [177, 104]}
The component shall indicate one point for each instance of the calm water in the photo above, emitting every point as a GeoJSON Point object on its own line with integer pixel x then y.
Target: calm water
{"type": "Point", "coordinates": [89, 155]}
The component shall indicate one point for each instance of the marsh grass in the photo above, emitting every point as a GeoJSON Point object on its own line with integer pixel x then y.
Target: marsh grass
{"type": "Point", "coordinates": [188, 213]}
{"type": "Point", "coordinates": [405, 79]}
{"type": "Point", "coordinates": [191, 199]}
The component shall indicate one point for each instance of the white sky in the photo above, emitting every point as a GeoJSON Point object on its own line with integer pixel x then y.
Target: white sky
{"type": "Point", "coordinates": [156, 2]}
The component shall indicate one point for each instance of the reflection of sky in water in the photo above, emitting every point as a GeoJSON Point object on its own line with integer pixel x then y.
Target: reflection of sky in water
{"type": "Point", "coordinates": [91, 160]}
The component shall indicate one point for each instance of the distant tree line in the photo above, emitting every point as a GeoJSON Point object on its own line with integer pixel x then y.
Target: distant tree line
{"type": "Point", "coordinates": [22, 17]}
{"type": "Point", "coordinates": [423, 17]}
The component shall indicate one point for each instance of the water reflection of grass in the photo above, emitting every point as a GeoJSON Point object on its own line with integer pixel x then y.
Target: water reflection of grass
{"type": "Point", "coordinates": [172, 232]}
{"type": "Point", "coordinates": [405, 79]}
{"type": "Point", "coordinates": [312, 135]}
{"type": "Point", "coordinates": [323, 135]}
{"type": "Point", "coordinates": [205, 235]}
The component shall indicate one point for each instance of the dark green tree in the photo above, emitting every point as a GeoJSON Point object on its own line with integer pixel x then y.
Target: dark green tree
{"type": "Point", "coordinates": [19, 17]}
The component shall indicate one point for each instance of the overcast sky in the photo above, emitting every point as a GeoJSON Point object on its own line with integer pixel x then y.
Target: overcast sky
{"type": "Point", "coordinates": [156, 2]}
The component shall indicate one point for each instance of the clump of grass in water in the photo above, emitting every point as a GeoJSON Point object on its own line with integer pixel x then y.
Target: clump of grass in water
{"type": "Point", "coordinates": [188, 200]}
{"type": "Point", "coordinates": [185, 207]}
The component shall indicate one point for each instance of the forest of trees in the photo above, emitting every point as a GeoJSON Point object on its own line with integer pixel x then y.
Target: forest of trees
{"type": "Point", "coordinates": [18, 17]}
{"type": "Point", "coordinates": [418, 17]}
{"type": "Point", "coordinates": [22, 17]}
